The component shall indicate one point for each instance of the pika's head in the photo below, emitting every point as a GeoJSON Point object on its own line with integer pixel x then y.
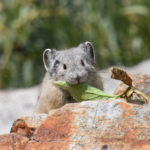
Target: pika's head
{"type": "Point", "coordinates": [72, 65]}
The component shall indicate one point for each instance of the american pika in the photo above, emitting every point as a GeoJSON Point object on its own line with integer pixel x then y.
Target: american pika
{"type": "Point", "coordinates": [74, 65]}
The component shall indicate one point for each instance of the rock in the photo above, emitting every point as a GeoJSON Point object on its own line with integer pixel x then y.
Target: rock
{"type": "Point", "coordinates": [20, 127]}
{"type": "Point", "coordinates": [26, 125]}
{"type": "Point", "coordinates": [142, 67]}
{"type": "Point", "coordinates": [12, 142]}
{"type": "Point", "coordinates": [97, 125]}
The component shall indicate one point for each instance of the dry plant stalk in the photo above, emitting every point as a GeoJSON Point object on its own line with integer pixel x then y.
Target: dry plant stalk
{"type": "Point", "coordinates": [121, 75]}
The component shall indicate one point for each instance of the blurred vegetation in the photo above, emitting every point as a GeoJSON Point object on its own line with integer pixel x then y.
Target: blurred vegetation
{"type": "Point", "coordinates": [119, 31]}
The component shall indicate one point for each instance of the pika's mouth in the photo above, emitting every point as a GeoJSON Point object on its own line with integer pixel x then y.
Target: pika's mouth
{"type": "Point", "coordinates": [74, 82]}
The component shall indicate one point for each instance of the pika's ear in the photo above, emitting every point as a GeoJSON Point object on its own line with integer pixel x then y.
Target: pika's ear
{"type": "Point", "coordinates": [48, 56]}
{"type": "Point", "coordinates": [89, 49]}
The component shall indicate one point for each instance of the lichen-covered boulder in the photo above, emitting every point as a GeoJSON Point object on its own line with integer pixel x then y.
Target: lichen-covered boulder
{"type": "Point", "coordinates": [99, 125]}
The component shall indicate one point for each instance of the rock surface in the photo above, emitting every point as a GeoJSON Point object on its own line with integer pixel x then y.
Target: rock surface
{"type": "Point", "coordinates": [12, 142]}
{"type": "Point", "coordinates": [89, 125]}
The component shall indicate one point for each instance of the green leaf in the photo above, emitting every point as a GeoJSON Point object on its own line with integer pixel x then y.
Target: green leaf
{"type": "Point", "coordinates": [81, 92]}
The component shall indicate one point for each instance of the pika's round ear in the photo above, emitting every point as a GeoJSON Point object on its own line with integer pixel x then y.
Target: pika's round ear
{"type": "Point", "coordinates": [89, 49]}
{"type": "Point", "coordinates": [48, 56]}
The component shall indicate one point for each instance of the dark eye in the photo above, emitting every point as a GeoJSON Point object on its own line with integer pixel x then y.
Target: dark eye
{"type": "Point", "coordinates": [56, 63]}
{"type": "Point", "coordinates": [64, 66]}
{"type": "Point", "coordinates": [82, 63]}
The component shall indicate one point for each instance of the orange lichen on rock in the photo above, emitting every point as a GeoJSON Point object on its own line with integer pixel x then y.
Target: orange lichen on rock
{"type": "Point", "coordinates": [19, 126]}
{"type": "Point", "coordinates": [104, 125]}
{"type": "Point", "coordinates": [127, 111]}
{"type": "Point", "coordinates": [56, 127]}
{"type": "Point", "coordinates": [12, 141]}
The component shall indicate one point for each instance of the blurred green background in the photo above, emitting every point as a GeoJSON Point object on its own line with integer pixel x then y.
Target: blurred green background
{"type": "Point", "coordinates": [118, 29]}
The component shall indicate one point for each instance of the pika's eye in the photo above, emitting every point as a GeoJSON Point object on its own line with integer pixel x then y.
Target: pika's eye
{"type": "Point", "coordinates": [82, 63]}
{"type": "Point", "coordinates": [56, 63]}
{"type": "Point", "coordinates": [64, 66]}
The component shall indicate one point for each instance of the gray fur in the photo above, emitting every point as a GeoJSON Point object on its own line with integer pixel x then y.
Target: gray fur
{"type": "Point", "coordinates": [72, 65]}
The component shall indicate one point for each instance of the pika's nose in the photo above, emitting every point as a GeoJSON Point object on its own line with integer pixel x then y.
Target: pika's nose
{"type": "Point", "coordinates": [78, 78]}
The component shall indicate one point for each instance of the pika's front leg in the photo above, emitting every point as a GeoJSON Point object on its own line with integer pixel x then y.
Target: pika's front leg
{"type": "Point", "coordinates": [51, 97]}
